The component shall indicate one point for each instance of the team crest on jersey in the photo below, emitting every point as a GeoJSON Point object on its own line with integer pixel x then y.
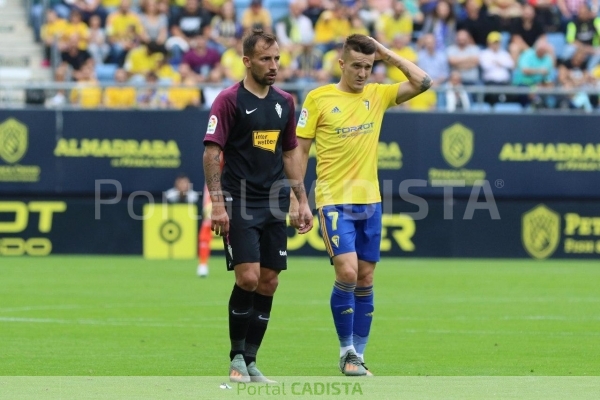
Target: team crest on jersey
{"type": "Point", "coordinates": [278, 109]}
{"type": "Point", "coordinates": [212, 125]}
{"type": "Point", "coordinates": [367, 104]}
{"type": "Point", "coordinates": [335, 110]}
{"type": "Point", "coordinates": [335, 240]}
{"type": "Point", "coordinates": [303, 118]}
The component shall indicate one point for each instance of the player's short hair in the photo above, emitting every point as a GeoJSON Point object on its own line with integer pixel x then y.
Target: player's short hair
{"type": "Point", "coordinates": [359, 43]}
{"type": "Point", "coordinates": [257, 35]}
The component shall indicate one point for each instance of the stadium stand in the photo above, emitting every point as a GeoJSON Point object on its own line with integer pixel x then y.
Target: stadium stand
{"type": "Point", "coordinates": [20, 55]}
{"type": "Point", "coordinates": [21, 60]}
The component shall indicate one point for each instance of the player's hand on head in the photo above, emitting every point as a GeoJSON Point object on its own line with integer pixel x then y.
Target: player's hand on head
{"type": "Point", "coordinates": [219, 220]}
{"type": "Point", "coordinates": [381, 52]}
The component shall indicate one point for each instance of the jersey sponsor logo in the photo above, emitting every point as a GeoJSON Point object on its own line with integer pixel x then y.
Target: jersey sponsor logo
{"type": "Point", "coordinates": [335, 110]}
{"type": "Point", "coordinates": [351, 131]}
{"type": "Point", "coordinates": [266, 140]}
{"type": "Point", "coordinates": [540, 231]}
{"type": "Point", "coordinates": [212, 125]}
{"type": "Point", "coordinates": [303, 118]}
{"type": "Point", "coordinates": [335, 240]}
{"type": "Point", "coordinates": [278, 109]}
{"type": "Point", "coordinates": [251, 111]}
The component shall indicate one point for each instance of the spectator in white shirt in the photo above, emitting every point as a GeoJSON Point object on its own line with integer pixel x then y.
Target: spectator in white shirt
{"type": "Point", "coordinates": [295, 29]}
{"type": "Point", "coordinates": [457, 97]}
{"type": "Point", "coordinates": [496, 63]}
{"type": "Point", "coordinates": [464, 58]}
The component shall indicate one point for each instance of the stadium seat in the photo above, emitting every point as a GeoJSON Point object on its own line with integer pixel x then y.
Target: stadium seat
{"type": "Point", "coordinates": [481, 107]}
{"type": "Point", "coordinates": [558, 41]}
{"type": "Point", "coordinates": [106, 72]}
{"type": "Point", "coordinates": [508, 107]}
{"type": "Point", "coordinates": [277, 8]}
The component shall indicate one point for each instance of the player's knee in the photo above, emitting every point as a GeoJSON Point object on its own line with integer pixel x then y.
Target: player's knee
{"type": "Point", "coordinates": [248, 281]}
{"type": "Point", "coordinates": [268, 285]}
{"type": "Point", "coordinates": [365, 280]}
{"type": "Point", "coordinates": [347, 275]}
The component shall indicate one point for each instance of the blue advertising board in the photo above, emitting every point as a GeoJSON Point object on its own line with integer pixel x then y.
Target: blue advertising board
{"type": "Point", "coordinates": [520, 156]}
{"type": "Point", "coordinates": [418, 228]}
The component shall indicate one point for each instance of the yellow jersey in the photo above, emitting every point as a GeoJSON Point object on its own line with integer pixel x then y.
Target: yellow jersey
{"type": "Point", "coordinates": [232, 61]}
{"type": "Point", "coordinates": [120, 97]}
{"type": "Point", "coordinates": [346, 128]}
{"type": "Point", "coordinates": [54, 30]}
{"type": "Point", "coordinates": [87, 94]}
{"type": "Point", "coordinates": [390, 27]}
{"type": "Point", "coordinates": [81, 30]}
{"type": "Point", "coordinates": [182, 96]}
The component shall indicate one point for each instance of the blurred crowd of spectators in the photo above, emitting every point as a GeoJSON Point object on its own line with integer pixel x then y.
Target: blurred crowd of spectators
{"type": "Point", "coordinates": [549, 43]}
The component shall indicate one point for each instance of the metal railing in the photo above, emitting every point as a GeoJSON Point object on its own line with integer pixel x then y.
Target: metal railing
{"type": "Point", "coordinates": [13, 95]}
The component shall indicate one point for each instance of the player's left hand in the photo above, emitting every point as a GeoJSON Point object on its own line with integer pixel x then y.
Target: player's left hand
{"type": "Point", "coordinates": [304, 221]}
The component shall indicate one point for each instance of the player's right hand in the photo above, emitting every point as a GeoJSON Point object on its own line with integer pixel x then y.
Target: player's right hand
{"type": "Point", "coordinates": [219, 220]}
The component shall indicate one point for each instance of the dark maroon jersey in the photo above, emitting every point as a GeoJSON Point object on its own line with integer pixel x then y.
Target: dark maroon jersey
{"type": "Point", "coordinates": [253, 134]}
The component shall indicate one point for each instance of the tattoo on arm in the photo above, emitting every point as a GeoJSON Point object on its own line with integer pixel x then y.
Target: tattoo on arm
{"type": "Point", "coordinates": [425, 83]}
{"type": "Point", "coordinates": [298, 190]}
{"type": "Point", "coordinates": [212, 172]}
{"type": "Point", "coordinates": [404, 70]}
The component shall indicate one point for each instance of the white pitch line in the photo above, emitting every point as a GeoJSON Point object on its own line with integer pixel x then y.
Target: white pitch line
{"type": "Point", "coordinates": [107, 323]}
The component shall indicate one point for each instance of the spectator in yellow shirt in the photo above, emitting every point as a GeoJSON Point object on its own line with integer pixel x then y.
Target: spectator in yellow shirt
{"type": "Point", "coordinates": [120, 95]}
{"type": "Point", "coordinates": [166, 72]}
{"type": "Point", "coordinates": [143, 59]}
{"type": "Point", "coordinates": [358, 26]}
{"type": "Point", "coordinates": [331, 27]}
{"type": "Point", "coordinates": [231, 62]}
{"type": "Point", "coordinates": [397, 22]}
{"type": "Point", "coordinates": [187, 94]}
{"type": "Point", "coordinates": [77, 27]}
{"type": "Point", "coordinates": [87, 93]}
{"type": "Point", "coordinates": [124, 30]}
{"type": "Point", "coordinates": [400, 46]}
{"type": "Point", "coordinates": [331, 64]}
{"type": "Point", "coordinates": [426, 101]}
{"type": "Point", "coordinates": [52, 33]}
{"type": "Point", "coordinates": [256, 16]}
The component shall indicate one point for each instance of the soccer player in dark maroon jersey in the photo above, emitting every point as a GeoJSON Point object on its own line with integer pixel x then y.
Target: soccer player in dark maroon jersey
{"type": "Point", "coordinates": [252, 127]}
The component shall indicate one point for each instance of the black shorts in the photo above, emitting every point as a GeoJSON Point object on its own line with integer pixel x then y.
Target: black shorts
{"type": "Point", "coordinates": [261, 239]}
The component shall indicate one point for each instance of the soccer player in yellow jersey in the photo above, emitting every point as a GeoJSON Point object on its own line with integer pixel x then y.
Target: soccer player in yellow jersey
{"type": "Point", "coordinates": [345, 121]}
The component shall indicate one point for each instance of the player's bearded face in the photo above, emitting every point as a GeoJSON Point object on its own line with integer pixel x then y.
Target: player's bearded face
{"type": "Point", "coordinates": [357, 69]}
{"type": "Point", "coordinates": [265, 63]}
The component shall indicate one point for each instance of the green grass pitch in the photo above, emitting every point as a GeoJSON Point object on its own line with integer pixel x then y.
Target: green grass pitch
{"type": "Point", "coordinates": [126, 316]}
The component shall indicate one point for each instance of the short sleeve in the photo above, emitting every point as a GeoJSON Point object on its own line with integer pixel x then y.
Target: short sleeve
{"type": "Point", "coordinates": [309, 116]}
{"type": "Point", "coordinates": [389, 93]}
{"type": "Point", "coordinates": [221, 120]}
